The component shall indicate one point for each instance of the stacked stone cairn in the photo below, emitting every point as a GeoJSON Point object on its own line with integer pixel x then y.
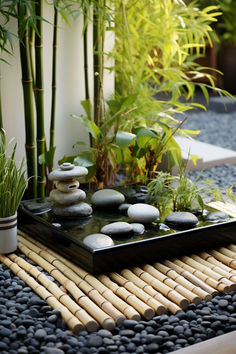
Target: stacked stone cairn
{"type": "Point", "coordinates": [67, 198]}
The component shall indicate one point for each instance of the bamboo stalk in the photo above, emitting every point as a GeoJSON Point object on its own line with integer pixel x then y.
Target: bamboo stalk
{"type": "Point", "coordinates": [54, 83]}
{"type": "Point", "coordinates": [232, 248]}
{"type": "Point", "coordinates": [130, 286]}
{"type": "Point", "coordinates": [220, 286]}
{"type": "Point", "coordinates": [39, 99]}
{"type": "Point", "coordinates": [90, 324]}
{"type": "Point", "coordinates": [27, 85]}
{"type": "Point", "coordinates": [72, 322]}
{"type": "Point", "coordinates": [182, 281]}
{"type": "Point", "coordinates": [215, 262]}
{"type": "Point", "coordinates": [227, 252]}
{"type": "Point", "coordinates": [208, 271]}
{"type": "Point", "coordinates": [169, 305]}
{"type": "Point", "coordinates": [215, 268]}
{"type": "Point", "coordinates": [146, 311]}
{"type": "Point", "coordinates": [224, 259]}
{"type": "Point", "coordinates": [105, 305]}
{"type": "Point", "coordinates": [163, 288]}
{"type": "Point", "coordinates": [1, 119]}
{"type": "Point", "coordinates": [121, 305]}
{"type": "Point", "coordinates": [172, 284]}
{"type": "Point", "coordinates": [104, 320]}
{"type": "Point", "coordinates": [206, 289]}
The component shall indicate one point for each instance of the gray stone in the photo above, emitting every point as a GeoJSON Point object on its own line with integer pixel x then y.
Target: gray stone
{"type": "Point", "coordinates": [40, 334]}
{"type": "Point", "coordinates": [80, 209]}
{"type": "Point", "coordinates": [65, 175]}
{"type": "Point", "coordinates": [138, 228]}
{"type": "Point", "coordinates": [217, 216]}
{"type": "Point", "coordinates": [181, 220]}
{"type": "Point", "coordinates": [67, 186]}
{"type": "Point", "coordinates": [68, 198]}
{"type": "Point", "coordinates": [95, 241]}
{"type": "Point", "coordinates": [123, 208]}
{"type": "Point", "coordinates": [143, 213]}
{"type": "Point", "coordinates": [107, 198]}
{"type": "Point", "coordinates": [119, 227]}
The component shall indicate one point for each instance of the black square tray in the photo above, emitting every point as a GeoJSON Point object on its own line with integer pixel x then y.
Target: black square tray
{"type": "Point", "coordinates": [130, 253]}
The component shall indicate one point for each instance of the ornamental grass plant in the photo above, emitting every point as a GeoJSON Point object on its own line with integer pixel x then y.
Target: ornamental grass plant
{"type": "Point", "coordinates": [12, 180]}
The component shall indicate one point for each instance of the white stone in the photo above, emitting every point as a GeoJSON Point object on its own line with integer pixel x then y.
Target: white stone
{"type": "Point", "coordinates": [115, 228]}
{"type": "Point", "coordinates": [67, 186]}
{"type": "Point", "coordinates": [106, 198]}
{"type": "Point", "coordinates": [81, 209]}
{"type": "Point", "coordinates": [143, 213]}
{"type": "Point", "coordinates": [95, 241]}
{"type": "Point", "coordinates": [65, 175]}
{"type": "Point", "coordinates": [69, 198]}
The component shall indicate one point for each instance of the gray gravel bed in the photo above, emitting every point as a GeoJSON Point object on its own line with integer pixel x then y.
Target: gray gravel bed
{"type": "Point", "coordinates": [29, 325]}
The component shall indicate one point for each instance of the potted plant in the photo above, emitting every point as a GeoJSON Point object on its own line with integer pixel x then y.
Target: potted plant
{"type": "Point", "coordinates": [12, 188]}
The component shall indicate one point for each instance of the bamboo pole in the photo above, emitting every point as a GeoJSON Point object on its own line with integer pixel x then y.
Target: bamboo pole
{"type": "Point", "coordinates": [220, 286]}
{"type": "Point", "coordinates": [232, 248]}
{"type": "Point", "coordinates": [97, 59]}
{"type": "Point", "coordinates": [27, 85]}
{"type": "Point", "coordinates": [90, 324]}
{"type": "Point", "coordinates": [54, 87]}
{"type": "Point", "coordinates": [145, 310]}
{"type": "Point", "coordinates": [207, 291]}
{"type": "Point", "coordinates": [215, 262]}
{"type": "Point", "coordinates": [163, 288]}
{"type": "Point", "coordinates": [105, 305]}
{"type": "Point", "coordinates": [169, 305]}
{"type": "Point", "coordinates": [204, 269]}
{"type": "Point", "coordinates": [1, 119]}
{"type": "Point", "coordinates": [224, 259]}
{"type": "Point", "coordinates": [172, 284]}
{"type": "Point", "coordinates": [39, 99]}
{"type": "Point", "coordinates": [104, 320]}
{"type": "Point", "coordinates": [215, 268]}
{"type": "Point", "coordinates": [182, 281]}
{"type": "Point", "coordinates": [72, 322]}
{"type": "Point", "coordinates": [127, 310]}
{"type": "Point", "coordinates": [130, 286]}
{"type": "Point", "coordinates": [227, 252]}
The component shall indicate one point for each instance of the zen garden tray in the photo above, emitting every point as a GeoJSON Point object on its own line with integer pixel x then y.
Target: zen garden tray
{"type": "Point", "coordinates": [65, 235]}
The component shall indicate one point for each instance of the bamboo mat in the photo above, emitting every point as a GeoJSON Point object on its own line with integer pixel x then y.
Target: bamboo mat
{"type": "Point", "coordinates": [228, 208]}
{"type": "Point", "coordinates": [89, 302]}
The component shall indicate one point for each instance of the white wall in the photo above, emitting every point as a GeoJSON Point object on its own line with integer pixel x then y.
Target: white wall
{"type": "Point", "coordinates": [70, 86]}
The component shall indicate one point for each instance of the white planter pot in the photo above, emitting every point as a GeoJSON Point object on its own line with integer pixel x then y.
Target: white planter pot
{"type": "Point", "coordinates": [8, 234]}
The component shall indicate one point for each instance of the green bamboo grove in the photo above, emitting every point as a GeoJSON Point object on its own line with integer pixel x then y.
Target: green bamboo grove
{"type": "Point", "coordinates": [154, 43]}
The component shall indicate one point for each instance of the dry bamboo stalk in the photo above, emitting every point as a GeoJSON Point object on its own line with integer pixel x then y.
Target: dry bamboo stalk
{"type": "Point", "coordinates": [169, 305]}
{"type": "Point", "coordinates": [207, 290]}
{"type": "Point", "coordinates": [232, 247]}
{"type": "Point", "coordinates": [105, 305]}
{"type": "Point", "coordinates": [209, 258]}
{"type": "Point", "coordinates": [190, 261]}
{"type": "Point", "coordinates": [227, 252]}
{"type": "Point", "coordinates": [183, 281]}
{"type": "Point", "coordinates": [105, 320]}
{"type": "Point", "coordinates": [163, 288]}
{"type": "Point", "coordinates": [224, 259]}
{"type": "Point", "coordinates": [127, 310]}
{"type": "Point", "coordinates": [130, 286]}
{"type": "Point", "coordinates": [72, 322]}
{"type": "Point", "coordinates": [215, 268]}
{"type": "Point", "coordinates": [221, 287]}
{"type": "Point", "coordinates": [139, 305]}
{"type": "Point", "coordinates": [189, 295]}
{"type": "Point", "coordinates": [90, 324]}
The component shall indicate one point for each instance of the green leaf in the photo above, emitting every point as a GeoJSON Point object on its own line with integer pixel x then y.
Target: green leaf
{"type": "Point", "coordinates": [86, 104]}
{"type": "Point", "coordinates": [129, 100]}
{"type": "Point", "coordinates": [123, 139]}
{"type": "Point", "coordinates": [48, 157]}
{"type": "Point", "coordinates": [146, 137]}
{"type": "Point", "coordinates": [85, 159]}
{"type": "Point", "coordinates": [91, 127]}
